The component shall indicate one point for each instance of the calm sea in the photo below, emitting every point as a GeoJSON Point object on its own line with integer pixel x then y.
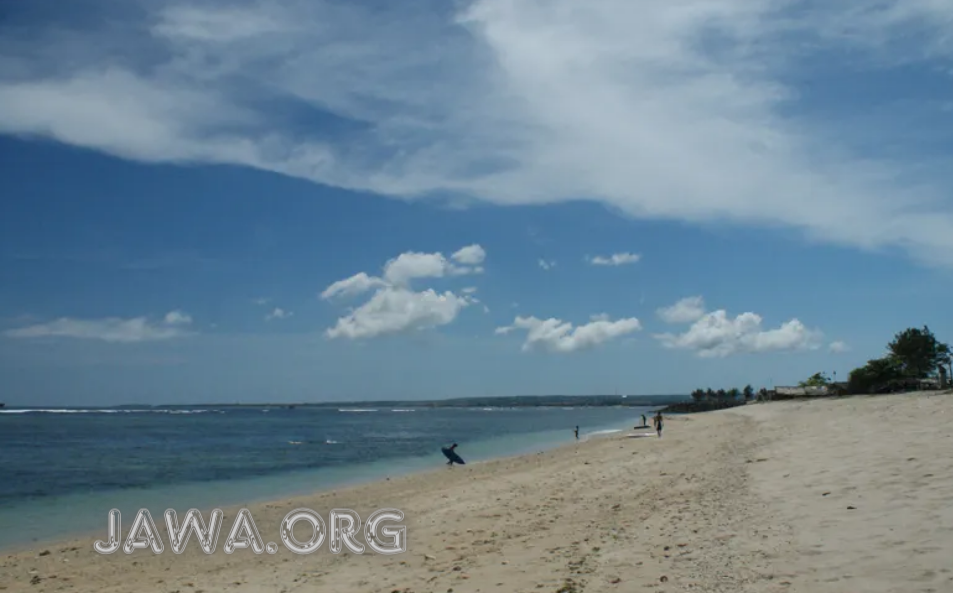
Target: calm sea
{"type": "Point", "coordinates": [62, 470]}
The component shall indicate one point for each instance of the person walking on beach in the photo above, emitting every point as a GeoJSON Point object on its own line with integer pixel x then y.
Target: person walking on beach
{"type": "Point", "coordinates": [644, 421]}
{"type": "Point", "coordinates": [658, 423]}
{"type": "Point", "coordinates": [577, 433]}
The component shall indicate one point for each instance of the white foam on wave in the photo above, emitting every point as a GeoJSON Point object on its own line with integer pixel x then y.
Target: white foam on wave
{"type": "Point", "coordinates": [355, 410]}
{"type": "Point", "coordinates": [401, 410]}
{"type": "Point", "coordinates": [610, 431]}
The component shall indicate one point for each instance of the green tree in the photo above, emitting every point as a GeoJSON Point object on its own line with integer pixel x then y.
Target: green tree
{"type": "Point", "coordinates": [876, 375]}
{"type": "Point", "coordinates": [748, 392]}
{"type": "Point", "coordinates": [816, 380]}
{"type": "Point", "coordinates": [918, 352]}
{"type": "Point", "coordinates": [734, 393]}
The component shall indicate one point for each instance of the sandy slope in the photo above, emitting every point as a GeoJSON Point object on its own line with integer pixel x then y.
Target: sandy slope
{"type": "Point", "coordinates": [751, 499]}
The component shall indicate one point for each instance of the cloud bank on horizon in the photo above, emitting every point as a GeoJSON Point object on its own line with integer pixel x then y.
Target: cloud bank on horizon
{"type": "Point", "coordinates": [690, 110]}
{"type": "Point", "coordinates": [111, 329]}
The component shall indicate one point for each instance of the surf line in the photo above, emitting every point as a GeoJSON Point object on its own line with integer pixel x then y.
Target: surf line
{"type": "Point", "coordinates": [345, 525]}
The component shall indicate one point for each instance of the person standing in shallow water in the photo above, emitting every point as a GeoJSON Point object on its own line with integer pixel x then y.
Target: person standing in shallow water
{"type": "Point", "coordinates": [644, 421]}
{"type": "Point", "coordinates": [577, 433]}
{"type": "Point", "coordinates": [658, 423]}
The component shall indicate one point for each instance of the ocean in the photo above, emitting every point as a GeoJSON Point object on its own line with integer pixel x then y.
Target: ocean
{"type": "Point", "coordinates": [63, 469]}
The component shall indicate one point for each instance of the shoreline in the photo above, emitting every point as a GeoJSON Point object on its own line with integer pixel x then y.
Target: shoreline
{"type": "Point", "coordinates": [820, 496]}
{"type": "Point", "coordinates": [231, 509]}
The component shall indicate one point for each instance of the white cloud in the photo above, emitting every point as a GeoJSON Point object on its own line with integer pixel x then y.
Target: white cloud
{"type": "Point", "coordinates": [687, 110]}
{"type": "Point", "coordinates": [394, 307]}
{"type": "Point", "coordinates": [397, 310]}
{"type": "Point", "coordinates": [356, 284]}
{"type": "Point", "coordinates": [111, 329]}
{"type": "Point", "coordinates": [260, 301]}
{"type": "Point", "coordinates": [177, 318]}
{"type": "Point", "coordinates": [278, 313]}
{"type": "Point", "coordinates": [838, 347]}
{"type": "Point", "coordinates": [547, 265]}
{"type": "Point", "coordinates": [470, 255]}
{"type": "Point", "coordinates": [412, 265]}
{"type": "Point", "coordinates": [616, 259]}
{"type": "Point", "coordinates": [717, 335]}
{"type": "Point", "coordinates": [555, 335]}
{"type": "Point", "coordinates": [409, 266]}
{"type": "Point", "coordinates": [686, 310]}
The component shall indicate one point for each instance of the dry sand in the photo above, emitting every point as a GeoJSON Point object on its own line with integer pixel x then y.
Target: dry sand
{"type": "Point", "coordinates": [849, 495]}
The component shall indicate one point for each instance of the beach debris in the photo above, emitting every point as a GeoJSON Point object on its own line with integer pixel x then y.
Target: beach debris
{"type": "Point", "coordinates": [45, 553]}
{"type": "Point", "coordinates": [851, 508]}
{"type": "Point", "coordinates": [615, 580]}
{"type": "Point", "coordinates": [825, 493]}
{"type": "Point", "coordinates": [429, 557]}
{"type": "Point", "coordinates": [35, 580]}
{"type": "Point", "coordinates": [664, 579]}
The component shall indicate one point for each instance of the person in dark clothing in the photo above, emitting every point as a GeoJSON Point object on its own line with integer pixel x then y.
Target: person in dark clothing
{"type": "Point", "coordinates": [658, 423]}
{"type": "Point", "coordinates": [577, 433]}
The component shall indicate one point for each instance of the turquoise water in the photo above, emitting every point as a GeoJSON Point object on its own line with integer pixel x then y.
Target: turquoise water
{"type": "Point", "coordinates": [68, 468]}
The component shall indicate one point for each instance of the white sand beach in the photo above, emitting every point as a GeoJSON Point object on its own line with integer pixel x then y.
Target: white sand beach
{"type": "Point", "coordinates": [819, 496]}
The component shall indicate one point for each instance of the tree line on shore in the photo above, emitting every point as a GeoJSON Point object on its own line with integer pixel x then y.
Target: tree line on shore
{"type": "Point", "coordinates": [722, 395]}
{"type": "Point", "coordinates": [913, 356]}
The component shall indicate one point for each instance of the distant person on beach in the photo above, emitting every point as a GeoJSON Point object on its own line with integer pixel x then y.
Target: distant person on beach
{"type": "Point", "coordinates": [658, 423]}
{"type": "Point", "coordinates": [577, 433]}
{"type": "Point", "coordinates": [644, 421]}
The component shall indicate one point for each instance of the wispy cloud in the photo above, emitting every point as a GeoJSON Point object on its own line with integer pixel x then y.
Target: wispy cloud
{"type": "Point", "coordinates": [278, 313]}
{"type": "Point", "coordinates": [686, 310]}
{"type": "Point", "coordinates": [111, 329]}
{"type": "Point", "coordinates": [547, 265]}
{"type": "Point", "coordinates": [838, 347]}
{"type": "Point", "coordinates": [685, 110]}
{"type": "Point", "coordinates": [616, 259]}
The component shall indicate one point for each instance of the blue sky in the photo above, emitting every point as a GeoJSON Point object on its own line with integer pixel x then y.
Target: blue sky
{"type": "Point", "coordinates": [229, 201]}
